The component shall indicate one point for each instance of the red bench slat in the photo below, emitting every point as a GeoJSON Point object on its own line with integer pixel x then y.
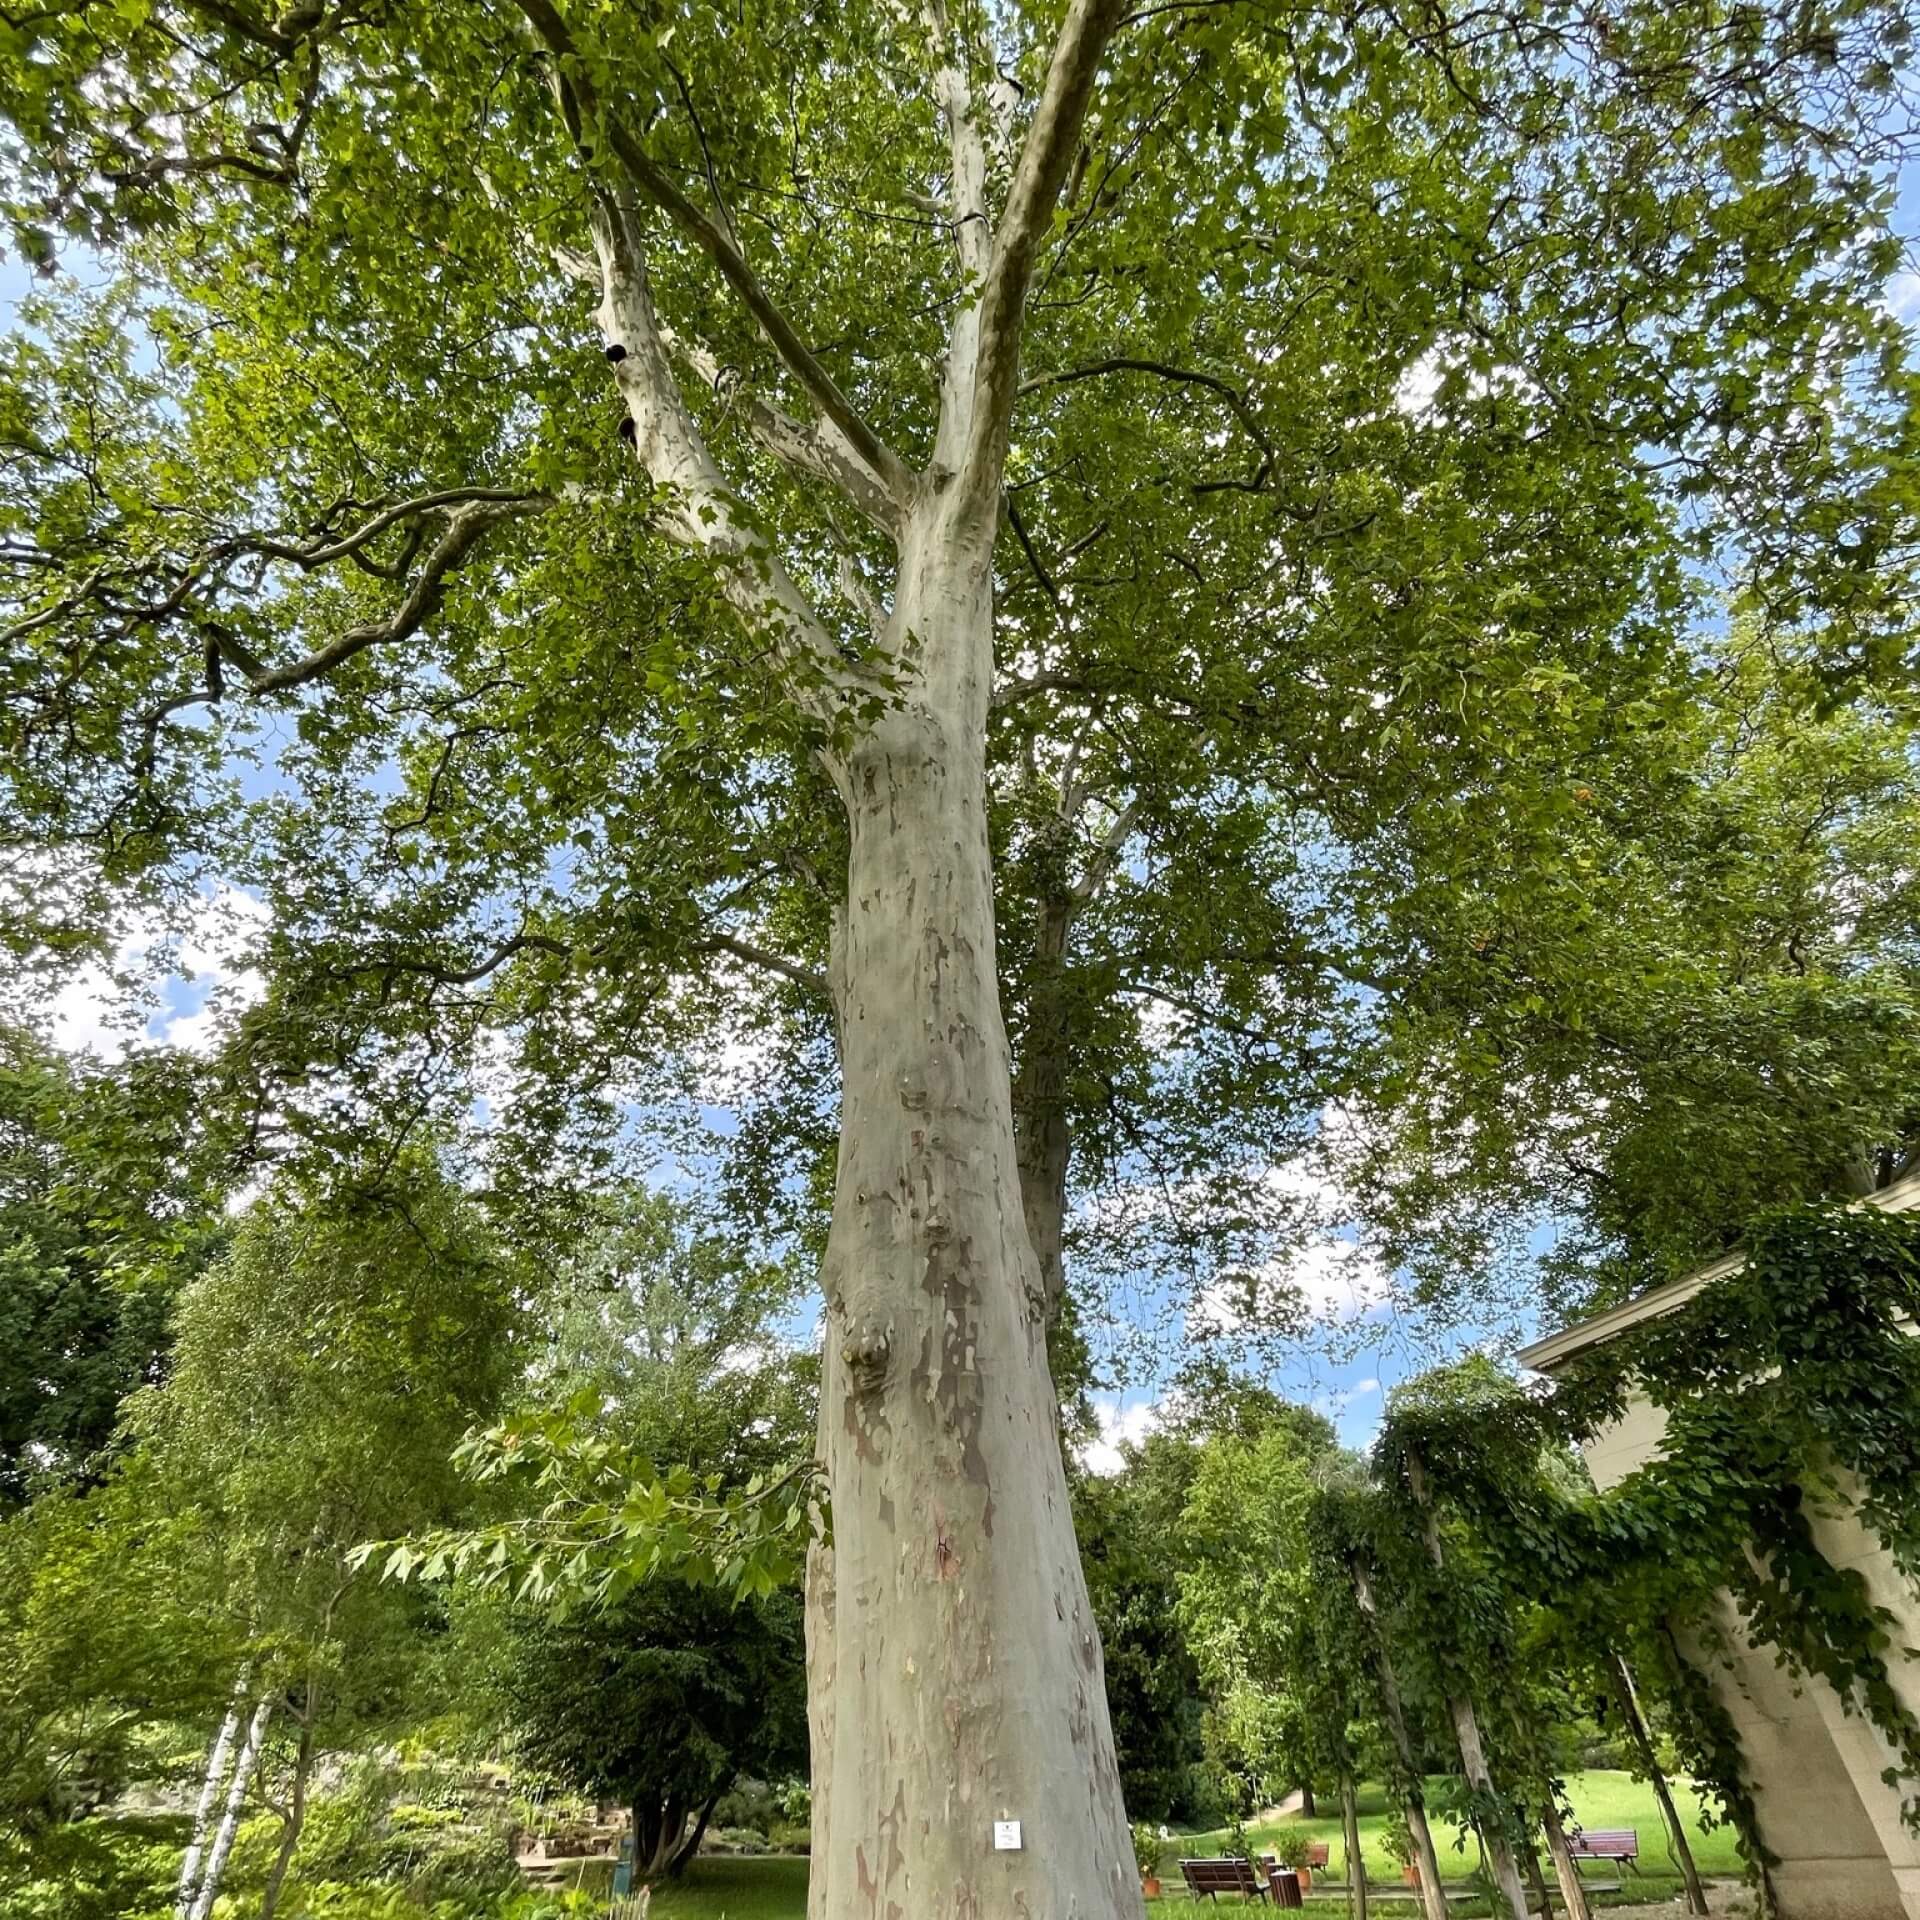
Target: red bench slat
{"type": "Point", "coordinates": [1605, 1843]}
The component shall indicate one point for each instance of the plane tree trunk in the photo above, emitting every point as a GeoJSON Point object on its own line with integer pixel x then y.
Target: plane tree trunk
{"type": "Point", "coordinates": [955, 1666]}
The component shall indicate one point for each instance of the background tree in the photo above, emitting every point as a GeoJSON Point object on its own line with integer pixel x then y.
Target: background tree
{"type": "Point", "coordinates": [1153, 1685]}
{"type": "Point", "coordinates": [1661, 1033]}
{"type": "Point", "coordinates": [659, 1702]}
{"type": "Point", "coordinates": [1244, 1584]}
{"type": "Point", "coordinates": [103, 1214]}
{"type": "Point", "coordinates": [653, 1340]}
{"type": "Point", "coordinates": [323, 1371]}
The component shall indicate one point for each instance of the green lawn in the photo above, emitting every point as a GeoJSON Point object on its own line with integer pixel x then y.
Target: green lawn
{"type": "Point", "coordinates": [1599, 1800]}
{"type": "Point", "coordinates": [722, 1888]}
{"type": "Point", "coordinates": [774, 1887]}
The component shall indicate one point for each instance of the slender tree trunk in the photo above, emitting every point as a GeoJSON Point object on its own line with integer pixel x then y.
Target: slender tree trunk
{"type": "Point", "coordinates": [209, 1793]}
{"type": "Point", "coordinates": [1466, 1724]}
{"type": "Point", "coordinates": [1629, 1702]}
{"type": "Point", "coordinates": [691, 1846]}
{"type": "Point", "coordinates": [1356, 1862]}
{"type": "Point", "coordinates": [1537, 1881]}
{"type": "Point", "coordinates": [296, 1809]}
{"type": "Point", "coordinates": [1414, 1807]}
{"type": "Point", "coordinates": [967, 1684]}
{"type": "Point", "coordinates": [1573, 1890]}
{"type": "Point", "coordinates": [1473, 1761]}
{"type": "Point", "coordinates": [1308, 1810]}
{"type": "Point", "coordinates": [243, 1767]}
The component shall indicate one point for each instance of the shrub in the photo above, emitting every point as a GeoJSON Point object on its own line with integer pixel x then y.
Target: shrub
{"type": "Point", "coordinates": [1147, 1849]}
{"type": "Point", "coordinates": [735, 1840]}
{"type": "Point", "coordinates": [748, 1804]}
{"type": "Point", "coordinates": [90, 1870]}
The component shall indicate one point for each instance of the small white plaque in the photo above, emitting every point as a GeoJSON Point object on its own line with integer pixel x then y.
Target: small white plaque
{"type": "Point", "coordinates": [1006, 1836]}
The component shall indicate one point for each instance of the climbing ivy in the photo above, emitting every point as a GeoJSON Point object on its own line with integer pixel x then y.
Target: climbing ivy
{"type": "Point", "coordinates": [1790, 1388]}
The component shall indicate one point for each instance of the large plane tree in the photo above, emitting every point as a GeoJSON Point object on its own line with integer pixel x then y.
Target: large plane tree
{"type": "Point", "coordinates": [578, 500]}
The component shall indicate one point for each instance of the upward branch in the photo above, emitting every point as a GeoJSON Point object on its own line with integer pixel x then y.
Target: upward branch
{"type": "Point", "coordinates": [1042, 171]}
{"type": "Point", "coordinates": [714, 237]}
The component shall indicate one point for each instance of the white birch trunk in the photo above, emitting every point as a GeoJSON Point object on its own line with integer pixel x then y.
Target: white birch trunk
{"type": "Point", "coordinates": [243, 1768]}
{"type": "Point", "coordinates": [209, 1793]}
{"type": "Point", "coordinates": [956, 1671]}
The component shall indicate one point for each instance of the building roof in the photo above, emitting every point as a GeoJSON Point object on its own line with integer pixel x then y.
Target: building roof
{"type": "Point", "coordinates": [1558, 1348]}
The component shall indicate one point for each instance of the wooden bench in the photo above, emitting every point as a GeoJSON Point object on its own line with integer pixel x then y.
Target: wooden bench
{"type": "Point", "coordinates": [1620, 1844]}
{"type": "Point", "coordinates": [1215, 1877]}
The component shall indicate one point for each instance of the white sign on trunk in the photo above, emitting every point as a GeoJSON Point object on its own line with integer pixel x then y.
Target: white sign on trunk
{"type": "Point", "coordinates": [1006, 1836]}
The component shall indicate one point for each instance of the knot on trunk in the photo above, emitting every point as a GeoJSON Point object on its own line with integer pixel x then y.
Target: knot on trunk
{"type": "Point", "coordinates": [867, 1351]}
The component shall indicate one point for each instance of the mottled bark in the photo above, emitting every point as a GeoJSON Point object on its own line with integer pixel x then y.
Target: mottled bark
{"type": "Point", "coordinates": [966, 1683]}
{"type": "Point", "coordinates": [1628, 1698]}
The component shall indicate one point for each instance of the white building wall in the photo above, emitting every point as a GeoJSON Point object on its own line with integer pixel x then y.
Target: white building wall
{"type": "Point", "coordinates": [1845, 1853]}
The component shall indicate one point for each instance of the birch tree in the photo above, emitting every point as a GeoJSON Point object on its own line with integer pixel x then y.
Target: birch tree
{"type": "Point", "coordinates": [1376, 369]}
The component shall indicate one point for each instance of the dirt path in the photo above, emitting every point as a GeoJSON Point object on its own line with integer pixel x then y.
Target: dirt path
{"type": "Point", "coordinates": [1290, 1805]}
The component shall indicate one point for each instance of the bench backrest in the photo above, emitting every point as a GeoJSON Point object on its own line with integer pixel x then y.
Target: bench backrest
{"type": "Point", "coordinates": [1318, 1852]}
{"type": "Point", "coordinates": [1606, 1843]}
{"type": "Point", "coordinates": [1219, 1876]}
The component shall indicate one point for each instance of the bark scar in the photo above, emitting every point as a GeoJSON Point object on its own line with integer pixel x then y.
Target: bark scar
{"type": "Point", "coordinates": [867, 1351]}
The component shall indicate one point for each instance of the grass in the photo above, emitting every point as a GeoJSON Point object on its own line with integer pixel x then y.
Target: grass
{"type": "Point", "coordinates": [774, 1887]}
{"type": "Point", "coordinates": [722, 1888]}
{"type": "Point", "coordinates": [719, 1887]}
{"type": "Point", "coordinates": [1600, 1799]}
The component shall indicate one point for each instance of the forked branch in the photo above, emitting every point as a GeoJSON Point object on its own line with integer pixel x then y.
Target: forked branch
{"type": "Point", "coordinates": [1045, 159]}
{"type": "Point", "coordinates": [714, 238]}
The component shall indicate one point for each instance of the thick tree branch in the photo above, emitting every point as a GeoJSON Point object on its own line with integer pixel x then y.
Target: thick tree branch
{"type": "Point", "coordinates": [698, 508]}
{"type": "Point", "coordinates": [815, 449]}
{"type": "Point", "coordinates": [810, 978]}
{"type": "Point", "coordinates": [971, 224]}
{"type": "Point", "coordinates": [714, 239]}
{"type": "Point", "coordinates": [1044, 162]}
{"type": "Point", "coordinates": [1182, 376]}
{"type": "Point", "coordinates": [466, 526]}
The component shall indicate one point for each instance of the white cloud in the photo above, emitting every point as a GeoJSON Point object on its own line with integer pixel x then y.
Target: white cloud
{"type": "Point", "coordinates": [1120, 1426]}
{"type": "Point", "coordinates": [1903, 295]}
{"type": "Point", "coordinates": [1324, 1278]}
{"type": "Point", "coordinates": [100, 1009]}
{"type": "Point", "coordinates": [1334, 1404]}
